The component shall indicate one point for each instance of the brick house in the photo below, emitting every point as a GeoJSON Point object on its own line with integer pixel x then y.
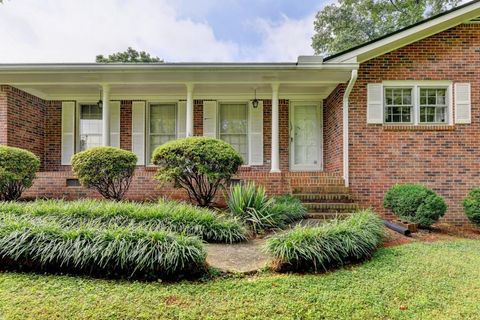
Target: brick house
{"type": "Point", "coordinates": [403, 108]}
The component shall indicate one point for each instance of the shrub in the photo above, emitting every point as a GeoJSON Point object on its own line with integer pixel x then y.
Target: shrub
{"type": "Point", "coordinates": [471, 204]}
{"type": "Point", "coordinates": [328, 245]}
{"type": "Point", "coordinates": [251, 204]}
{"type": "Point", "coordinates": [128, 252]}
{"type": "Point", "coordinates": [109, 170]}
{"type": "Point", "coordinates": [167, 215]}
{"type": "Point", "coordinates": [199, 165]}
{"type": "Point", "coordinates": [17, 171]}
{"type": "Point", "coordinates": [415, 203]}
{"type": "Point", "coordinates": [288, 208]}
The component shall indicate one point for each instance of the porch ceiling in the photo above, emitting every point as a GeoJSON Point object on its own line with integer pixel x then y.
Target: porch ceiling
{"type": "Point", "coordinates": [55, 81]}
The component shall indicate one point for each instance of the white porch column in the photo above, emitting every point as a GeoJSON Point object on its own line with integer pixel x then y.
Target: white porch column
{"type": "Point", "coordinates": [189, 117]}
{"type": "Point", "coordinates": [106, 114]}
{"type": "Point", "coordinates": [275, 130]}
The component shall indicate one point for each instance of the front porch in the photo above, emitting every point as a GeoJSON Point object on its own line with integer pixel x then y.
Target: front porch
{"type": "Point", "coordinates": [286, 120]}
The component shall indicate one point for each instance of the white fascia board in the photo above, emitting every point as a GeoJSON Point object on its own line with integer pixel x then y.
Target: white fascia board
{"type": "Point", "coordinates": [410, 35]}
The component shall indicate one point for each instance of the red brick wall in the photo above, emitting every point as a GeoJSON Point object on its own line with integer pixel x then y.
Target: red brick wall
{"type": "Point", "coordinates": [333, 131]}
{"type": "Point", "coordinates": [447, 161]}
{"type": "Point", "coordinates": [24, 125]}
{"type": "Point", "coordinates": [126, 125]}
{"type": "Point", "coordinates": [53, 136]}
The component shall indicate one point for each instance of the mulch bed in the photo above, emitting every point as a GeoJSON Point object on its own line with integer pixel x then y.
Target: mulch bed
{"type": "Point", "coordinates": [437, 233]}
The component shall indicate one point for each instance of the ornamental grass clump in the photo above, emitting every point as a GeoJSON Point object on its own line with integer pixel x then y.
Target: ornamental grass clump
{"type": "Point", "coordinates": [108, 170]}
{"type": "Point", "coordinates": [329, 245]}
{"type": "Point", "coordinates": [17, 171]}
{"type": "Point", "coordinates": [250, 203]}
{"type": "Point", "coordinates": [415, 203]}
{"type": "Point", "coordinates": [106, 252]}
{"type": "Point", "coordinates": [167, 215]}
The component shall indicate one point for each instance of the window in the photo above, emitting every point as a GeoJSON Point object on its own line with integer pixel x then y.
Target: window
{"type": "Point", "coordinates": [398, 105]}
{"type": "Point", "coordinates": [162, 126]}
{"type": "Point", "coordinates": [433, 105]}
{"type": "Point", "coordinates": [234, 126]}
{"type": "Point", "coordinates": [416, 104]}
{"type": "Point", "coordinates": [90, 126]}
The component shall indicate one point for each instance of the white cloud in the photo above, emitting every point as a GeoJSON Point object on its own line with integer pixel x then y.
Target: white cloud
{"type": "Point", "coordinates": [284, 40]}
{"type": "Point", "coordinates": [76, 31]}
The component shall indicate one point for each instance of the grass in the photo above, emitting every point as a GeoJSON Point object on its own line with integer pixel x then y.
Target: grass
{"type": "Point", "coordinates": [107, 251]}
{"type": "Point", "coordinates": [330, 244]}
{"type": "Point", "coordinates": [164, 215]}
{"type": "Point", "coordinates": [437, 281]}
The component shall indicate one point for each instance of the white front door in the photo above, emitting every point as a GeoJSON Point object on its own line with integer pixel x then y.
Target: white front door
{"type": "Point", "coordinates": [306, 138]}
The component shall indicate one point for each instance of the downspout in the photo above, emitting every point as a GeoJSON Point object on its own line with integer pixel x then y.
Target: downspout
{"type": "Point", "coordinates": [346, 96]}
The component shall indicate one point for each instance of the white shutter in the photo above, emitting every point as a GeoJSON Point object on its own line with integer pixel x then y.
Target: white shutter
{"type": "Point", "coordinates": [374, 103]}
{"type": "Point", "coordinates": [115, 124]}
{"type": "Point", "coordinates": [210, 119]}
{"type": "Point", "coordinates": [255, 134]}
{"type": "Point", "coordinates": [182, 119]}
{"type": "Point", "coordinates": [463, 103]}
{"type": "Point", "coordinates": [138, 131]}
{"type": "Point", "coordinates": [68, 132]}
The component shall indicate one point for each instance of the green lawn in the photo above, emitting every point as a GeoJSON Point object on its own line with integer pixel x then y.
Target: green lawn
{"type": "Point", "coordinates": [439, 280]}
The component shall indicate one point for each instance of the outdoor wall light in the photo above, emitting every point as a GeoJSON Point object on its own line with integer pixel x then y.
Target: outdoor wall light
{"type": "Point", "coordinates": [255, 101]}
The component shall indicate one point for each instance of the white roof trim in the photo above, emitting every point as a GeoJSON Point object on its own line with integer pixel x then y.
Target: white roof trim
{"type": "Point", "coordinates": [410, 35]}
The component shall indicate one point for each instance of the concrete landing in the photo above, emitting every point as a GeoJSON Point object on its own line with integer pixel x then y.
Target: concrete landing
{"type": "Point", "coordinates": [245, 257]}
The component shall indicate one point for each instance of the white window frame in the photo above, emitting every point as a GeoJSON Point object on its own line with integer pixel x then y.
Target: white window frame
{"type": "Point", "coordinates": [78, 110]}
{"type": "Point", "coordinates": [416, 86]}
{"type": "Point", "coordinates": [148, 160]}
{"type": "Point", "coordinates": [217, 133]}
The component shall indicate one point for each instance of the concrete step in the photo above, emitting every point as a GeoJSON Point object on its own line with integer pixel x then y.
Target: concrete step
{"type": "Point", "coordinates": [324, 197]}
{"type": "Point", "coordinates": [315, 217]}
{"type": "Point", "coordinates": [333, 207]}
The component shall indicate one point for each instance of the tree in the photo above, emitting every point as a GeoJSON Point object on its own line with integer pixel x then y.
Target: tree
{"type": "Point", "coordinates": [129, 56]}
{"type": "Point", "coordinates": [350, 23]}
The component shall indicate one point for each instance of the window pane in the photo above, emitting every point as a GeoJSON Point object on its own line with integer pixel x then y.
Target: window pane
{"type": "Point", "coordinates": [163, 119]}
{"type": "Point", "coordinates": [233, 126]}
{"type": "Point", "coordinates": [163, 125]}
{"type": "Point", "coordinates": [433, 105]}
{"type": "Point", "coordinates": [399, 105]}
{"type": "Point", "coordinates": [90, 126]}
{"type": "Point", "coordinates": [233, 118]}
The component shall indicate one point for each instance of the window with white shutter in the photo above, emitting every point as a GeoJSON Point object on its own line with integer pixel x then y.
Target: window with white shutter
{"type": "Point", "coordinates": [255, 136]}
{"type": "Point", "coordinates": [138, 131]}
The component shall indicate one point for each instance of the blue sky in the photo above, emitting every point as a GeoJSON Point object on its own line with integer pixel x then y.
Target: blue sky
{"type": "Point", "coordinates": [176, 30]}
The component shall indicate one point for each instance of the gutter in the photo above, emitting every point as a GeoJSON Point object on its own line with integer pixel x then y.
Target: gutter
{"type": "Point", "coordinates": [346, 97]}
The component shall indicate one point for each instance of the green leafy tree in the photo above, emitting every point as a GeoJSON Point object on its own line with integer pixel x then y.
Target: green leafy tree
{"type": "Point", "coordinates": [350, 23]}
{"type": "Point", "coordinates": [129, 56]}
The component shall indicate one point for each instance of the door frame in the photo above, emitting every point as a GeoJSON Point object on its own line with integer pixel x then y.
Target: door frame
{"type": "Point", "coordinates": [291, 149]}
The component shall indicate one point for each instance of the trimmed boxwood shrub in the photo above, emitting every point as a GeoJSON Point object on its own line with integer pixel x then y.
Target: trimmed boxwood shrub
{"type": "Point", "coordinates": [471, 204]}
{"type": "Point", "coordinates": [167, 215]}
{"type": "Point", "coordinates": [115, 251]}
{"type": "Point", "coordinates": [199, 165]}
{"type": "Point", "coordinates": [109, 170]}
{"type": "Point", "coordinates": [415, 203]}
{"type": "Point", "coordinates": [17, 171]}
{"type": "Point", "coordinates": [331, 244]}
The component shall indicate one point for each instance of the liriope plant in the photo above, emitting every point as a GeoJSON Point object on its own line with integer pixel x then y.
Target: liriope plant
{"type": "Point", "coordinates": [129, 252]}
{"type": "Point", "coordinates": [334, 243]}
{"type": "Point", "coordinates": [165, 215]}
